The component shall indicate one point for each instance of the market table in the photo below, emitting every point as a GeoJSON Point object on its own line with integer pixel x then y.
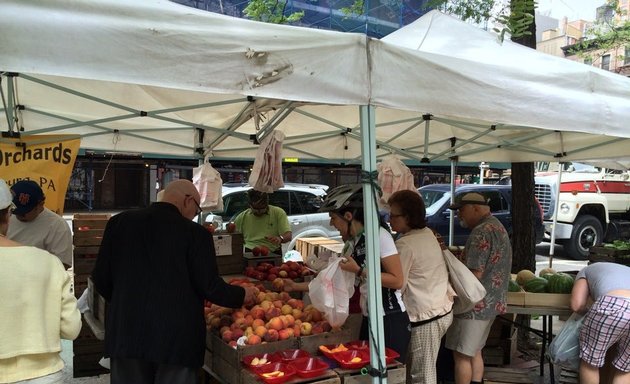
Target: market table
{"type": "Point", "coordinates": [547, 314]}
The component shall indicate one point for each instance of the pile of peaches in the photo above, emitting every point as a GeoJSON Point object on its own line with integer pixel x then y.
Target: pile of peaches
{"type": "Point", "coordinates": [268, 272]}
{"type": "Point", "coordinates": [274, 316]}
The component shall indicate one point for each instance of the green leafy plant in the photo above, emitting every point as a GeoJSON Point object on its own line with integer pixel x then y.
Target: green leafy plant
{"type": "Point", "coordinates": [271, 11]}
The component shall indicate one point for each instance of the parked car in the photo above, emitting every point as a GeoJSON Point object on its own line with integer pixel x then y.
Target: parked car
{"type": "Point", "coordinates": [437, 198]}
{"type": "Point", "coordinates": [301, 202]}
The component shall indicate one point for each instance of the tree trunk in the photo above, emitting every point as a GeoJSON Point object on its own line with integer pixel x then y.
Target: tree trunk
{"type": "Point", "coordinates": [523, 246]}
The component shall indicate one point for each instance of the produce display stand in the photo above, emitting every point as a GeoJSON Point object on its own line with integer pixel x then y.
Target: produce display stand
{"type": "Point", "coordinates": [88, 346]}
{"type": "Point", "coordinates": [252, 261]}
{"type": "Point", "coordinates": [547, 313]}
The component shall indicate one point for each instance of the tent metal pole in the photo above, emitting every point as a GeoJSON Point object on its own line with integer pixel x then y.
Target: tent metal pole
{"type": "Point", "coordinates": [371, 231]}
{"type": "Point", "coordinates": [451, 221]}
{"type": "Point", "coordinates": [10, 107]}
{"type": "Point", "coordinates": [552, 243]}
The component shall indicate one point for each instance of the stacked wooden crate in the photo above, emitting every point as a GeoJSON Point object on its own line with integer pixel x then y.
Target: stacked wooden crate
{"type": "Point", "coordinates": [87, 235]}
{"type": "Point", "coordinates": [608, 254]}
{"type": "Point", "coordinates": [229, 250]}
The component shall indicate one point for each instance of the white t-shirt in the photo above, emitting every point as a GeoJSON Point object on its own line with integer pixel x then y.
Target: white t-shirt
{"type": "Point", "coordinates": [48, 231]}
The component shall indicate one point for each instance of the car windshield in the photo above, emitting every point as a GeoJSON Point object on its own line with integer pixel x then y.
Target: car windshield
{"type": "Point", "coordinates": [433, 200]}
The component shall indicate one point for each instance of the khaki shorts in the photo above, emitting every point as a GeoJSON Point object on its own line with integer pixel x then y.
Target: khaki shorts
{"type": "Point", "coordinates": [468, 336]}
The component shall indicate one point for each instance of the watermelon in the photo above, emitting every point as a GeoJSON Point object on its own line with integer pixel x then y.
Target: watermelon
{"type": "Point", "coordinates": [524, 276]}
{"type": "Point", "coordinates": [513, 286]}
{"type": "Point", "coordinates": [560, 283]}
{"type": "Point", "coordinates": [536, 285]}
{"type": "Point", "coordinates": [546, 276]}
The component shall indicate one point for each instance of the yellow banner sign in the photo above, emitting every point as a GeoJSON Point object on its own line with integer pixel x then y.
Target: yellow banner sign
{"type": "Point", "coordinates": [45, 159]}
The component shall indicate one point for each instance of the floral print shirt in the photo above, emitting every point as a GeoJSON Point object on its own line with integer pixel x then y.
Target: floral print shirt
{"type": "Point", "coordinates": [488, 250]}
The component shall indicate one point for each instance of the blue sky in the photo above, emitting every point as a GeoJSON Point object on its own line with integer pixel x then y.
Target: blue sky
{"type": "Point", "coordinates": [572, 9]}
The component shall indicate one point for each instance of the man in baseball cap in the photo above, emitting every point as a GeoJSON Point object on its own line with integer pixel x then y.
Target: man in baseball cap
{"type": "Point", "coordinates": [35, 225]}
{"type": "Point", "coordinates": [489, 257]}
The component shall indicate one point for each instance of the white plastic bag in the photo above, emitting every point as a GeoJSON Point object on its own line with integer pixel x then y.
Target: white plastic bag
{"type": "Point", "coordinates": [209, 184]}
{"type": "Point", "coordinates": [564, 349]}
{"type": "Point", "coordinates": [469, 289]}
{"type": "Point", "coordinates": [330, 292]}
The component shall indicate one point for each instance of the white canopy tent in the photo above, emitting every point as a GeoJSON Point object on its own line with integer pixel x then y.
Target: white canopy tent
{"type": "Point", "coordinates": [151, 76]}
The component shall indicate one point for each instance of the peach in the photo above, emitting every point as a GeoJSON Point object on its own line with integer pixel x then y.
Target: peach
{"type": "Point", "coordinates": [285, 321]}
{"type": "Point", "coordinates": [258, 314]}
{"type": "Point", "coordinates": [271, 335]}
{"type": "Point", "coordinates": [266, 304]}
{"type": "Point", "coordinates": [286, 309]}
{"type": "Point", "coordinates": [317, 315]}
{"type": "Point", "coordinates": [326, 326]}
{"type": "Point", "coordinates": [249, 320]}
{"type": "Point", "coordinates": [306, 328]}
{"type": "Point", "coordinates": [296, 313]}
{"type": "Point", "coordinates": [283, 274]}
{"type": "Point", "coordinates": [290, 320]}
{"type": "Point", "coordinates": [296, 330]}
{"type": "Point", "coordinates": [253, 340]}
{"type": "Point", "coordinates": [275, 323]}
{"type": "Point", "coordinates": [232, 344]}
{"type": "Point", "coordinates": [271, 313]}
{"type": "Point", "coordinates": [223, 329]}
{"type": "Point", "coordinates": [296, 303]}
{"type": "Point", "coordinates": [239, 323]}
{"type": "Point", "coordinates": [278, 284]}
{"type": "Point", "coordinates": [283, 334]}
{"type": "Point", "coordinates": [258, 322]}
{"type": "Point", "coordinates": [249, 331]}
{"type": "Point", "coordinates": [237, 333]}
{"type": "Point", "coordinates": [284, 296]}
{"type": "Point", "coordinates": [215, 322]}
{"type": "Point", "coordinates": [226, 336]}
{"type": "Point", "coordinates": [278, 303]}
{"type": "Point", "coordinates": [260, 297]}
{"type": "Point", "coordinates": [260, 331]}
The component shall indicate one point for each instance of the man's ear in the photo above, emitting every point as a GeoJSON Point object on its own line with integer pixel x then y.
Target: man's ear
{"type": "Point", "coordinates": [348, 216]}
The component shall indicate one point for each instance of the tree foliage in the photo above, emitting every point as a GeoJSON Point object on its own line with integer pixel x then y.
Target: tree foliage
{"type": "Point", "coordinates": [604, 37]}
{"type": "Point", "coordinates": [270, 11]}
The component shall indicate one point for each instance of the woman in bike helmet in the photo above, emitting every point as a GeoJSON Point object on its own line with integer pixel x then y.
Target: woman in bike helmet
{"type": "Point", "coordinates": [344, 204]}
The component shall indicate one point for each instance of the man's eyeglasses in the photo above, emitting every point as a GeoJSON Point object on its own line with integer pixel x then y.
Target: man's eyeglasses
{"type": "Point", "coordinates": [199, 210]}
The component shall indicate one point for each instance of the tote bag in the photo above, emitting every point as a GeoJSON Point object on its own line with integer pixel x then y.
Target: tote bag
{"type": "Point", "coordinates": [469, 289]}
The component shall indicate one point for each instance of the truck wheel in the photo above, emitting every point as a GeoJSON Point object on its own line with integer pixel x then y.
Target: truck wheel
{"type": "Point", "coordinates": [587, 232]}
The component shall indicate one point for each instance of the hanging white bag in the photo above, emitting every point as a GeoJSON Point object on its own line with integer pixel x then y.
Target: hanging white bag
{"type": "Point", "coordinates": [468, 288]}
{"type": "Point", "coordinates": [209, 184]}
{"type": "Point", "coordinates": [330, 292]}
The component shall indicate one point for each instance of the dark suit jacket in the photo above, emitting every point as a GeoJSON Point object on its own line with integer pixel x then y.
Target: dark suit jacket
{"type": "Point", "coordinates": [155, 268]}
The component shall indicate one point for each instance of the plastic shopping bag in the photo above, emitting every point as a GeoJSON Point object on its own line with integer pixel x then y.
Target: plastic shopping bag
{"type": "Point", "coordinates": [209, 184]}
{"type": "Point", "coordinates": [564, 349]}
{"type": "Point", "coordinates": [330, 292]}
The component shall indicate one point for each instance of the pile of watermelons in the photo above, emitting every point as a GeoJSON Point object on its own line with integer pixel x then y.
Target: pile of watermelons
{"type": "Point", "coordinates": [547, 281]}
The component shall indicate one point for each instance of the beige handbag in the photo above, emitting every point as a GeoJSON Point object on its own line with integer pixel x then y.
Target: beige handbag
{"type": "Point", "coordinates": [468, 288]}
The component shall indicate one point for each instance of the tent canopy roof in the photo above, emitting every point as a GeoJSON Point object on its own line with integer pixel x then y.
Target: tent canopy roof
{"type": "Point", "coordinates": [150, 76]}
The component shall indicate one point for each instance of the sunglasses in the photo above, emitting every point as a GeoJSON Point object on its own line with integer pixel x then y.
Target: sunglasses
{"type": "Point", "coordinates": [199, 210]}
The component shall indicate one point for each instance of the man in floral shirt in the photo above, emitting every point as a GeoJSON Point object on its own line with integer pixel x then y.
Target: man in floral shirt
{"type": "Point", "coordinates": [488, 254]}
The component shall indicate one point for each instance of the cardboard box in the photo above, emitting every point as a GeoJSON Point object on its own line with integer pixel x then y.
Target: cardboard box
{"type": "Point", "coordinates": [310, 245]}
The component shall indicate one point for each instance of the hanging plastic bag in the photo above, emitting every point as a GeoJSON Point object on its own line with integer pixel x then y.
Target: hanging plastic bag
{"type": "Point", "coordinates": [209, 184]}
{"type": "Point", "coordinates": [564, 349]}
{"type": "Point", "coordinates": [330, 292]}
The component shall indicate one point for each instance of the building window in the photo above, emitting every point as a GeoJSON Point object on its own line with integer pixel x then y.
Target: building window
{"type": "Point", "coordinates": [606, 62]}
{"type": "Point", "coordinates": [626, 55]}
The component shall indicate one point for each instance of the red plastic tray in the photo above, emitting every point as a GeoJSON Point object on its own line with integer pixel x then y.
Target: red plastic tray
{"type": "Point", "coordinates": [390, 354]}
{"type": "Point", "coordinates": [344, 358]}
{"type": "Point", "coordinates": [358, 344]}
{"type": "Point", "coordinates": [288, 370]}
{"type": "Point", "coordinates": [308, 367]}
{"type": "Point", "coordinates": [271, 358]}
{"type": "Point", "coordinates": [289, 355]}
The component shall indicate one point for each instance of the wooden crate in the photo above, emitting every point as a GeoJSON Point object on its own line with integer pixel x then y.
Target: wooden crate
{"type": "Point", "coordinates": [529, 299]}
{"type": "Point", "coordinates": [506, 375]}
{"type": "Point", "coordinates": [227, 361]}
{"type": "Point", "coordinates": [611, 255]}
{"type": "Point", "coordinates": [396, 374]}
{"type": "Point", "coordinates": [88, 351]}
{"type": "Point", "coordinates": [229, 251]}
{"type": "Point", "coordinates": [207, 361]}
{"type": "Point", "coordinates": [328, 377]}
{"type": "Point", "coordinates": [310, 245]}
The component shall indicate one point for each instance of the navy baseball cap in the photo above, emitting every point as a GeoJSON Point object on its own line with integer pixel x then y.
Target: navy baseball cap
{"type": "Point", "coordinates": [26, 195]}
